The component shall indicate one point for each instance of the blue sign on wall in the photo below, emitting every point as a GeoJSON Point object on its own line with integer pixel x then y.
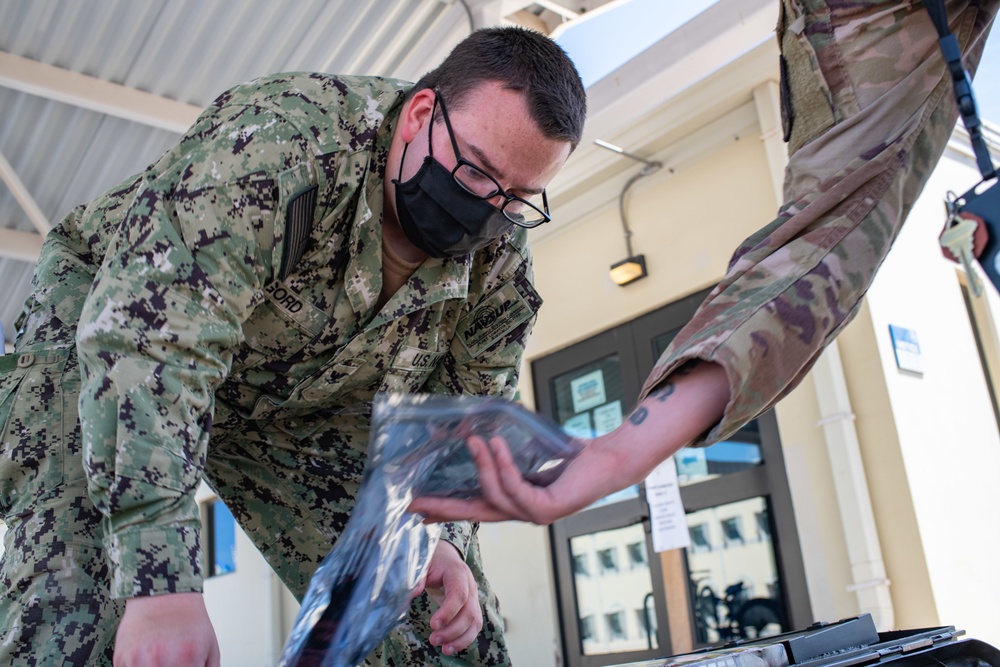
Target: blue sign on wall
{"type": "Point", "coordinates": [907, 349]}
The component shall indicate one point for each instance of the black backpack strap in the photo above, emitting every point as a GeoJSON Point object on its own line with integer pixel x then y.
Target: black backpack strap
{"type": "Point", "coordinates": [963, 86]}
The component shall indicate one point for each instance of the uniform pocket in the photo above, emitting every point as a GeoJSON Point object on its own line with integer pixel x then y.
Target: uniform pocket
{"type": "Point", "coordinates": [40, 446]}
{"type": "Point", "coordinates": [9, 382]}
{"type": "Point", "coordinates": [269, 332]}
{"type": "Point", "coordinates": [284, 323]}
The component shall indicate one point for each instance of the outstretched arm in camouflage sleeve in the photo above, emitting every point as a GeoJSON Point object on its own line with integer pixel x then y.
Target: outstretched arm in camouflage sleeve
{"type": "Point", "coordinates": [868, 109]}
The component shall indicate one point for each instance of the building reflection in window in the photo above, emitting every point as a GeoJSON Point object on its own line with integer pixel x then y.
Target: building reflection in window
{"type": "Point", "coordinates": [735, 589]}
{"type": "Point", "coordinates": [614, 609]}
{"type": "Point", "coordinates": [699, 464]}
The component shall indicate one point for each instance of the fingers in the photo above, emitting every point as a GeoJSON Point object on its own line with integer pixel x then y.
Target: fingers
{"type": "Point", "coordinates": [522, 496]}
{"type": "Point", "coordinates": [506, 495]}
{"type": "Point", "coordinates": [456, 596]}
{"type": "Point", "coordinates": [485, 508]}
{"type": "Point", "coordinates": [491, 468]}
{"type": "Point", "coordinates": [455, 625]}
{"type": "Point", "coordinates": [463, 641]}
{"type": "Point", "coordinates": [504, 488]}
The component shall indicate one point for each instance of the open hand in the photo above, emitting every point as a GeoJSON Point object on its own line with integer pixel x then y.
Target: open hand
{"type": "Point", "coordinates": [506, 495]}
{"type": "Point", "coordinates": [681, 409]}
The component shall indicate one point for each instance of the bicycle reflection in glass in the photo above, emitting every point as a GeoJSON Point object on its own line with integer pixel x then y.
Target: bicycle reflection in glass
{"type": "Point", "coordinates": [735, 616]}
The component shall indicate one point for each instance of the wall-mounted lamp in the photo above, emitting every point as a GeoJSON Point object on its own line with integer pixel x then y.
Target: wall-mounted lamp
{"type": "Point", "coordinates": [629, 270]}
{"type": "Point", "coordinates": [633, 267]}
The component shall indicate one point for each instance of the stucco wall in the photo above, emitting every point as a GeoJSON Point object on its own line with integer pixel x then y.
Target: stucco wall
{"type": "Point", "coordinates": [949, 442]}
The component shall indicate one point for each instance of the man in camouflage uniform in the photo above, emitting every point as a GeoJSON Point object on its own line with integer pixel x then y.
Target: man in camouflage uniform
{"type": "Point", "coordinates": [868, 107]}
{"type": "Point", "coordinates": [234, 310]}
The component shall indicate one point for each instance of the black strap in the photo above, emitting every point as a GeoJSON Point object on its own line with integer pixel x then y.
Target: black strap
{"type": "Point", "coordinates": [963, 86]}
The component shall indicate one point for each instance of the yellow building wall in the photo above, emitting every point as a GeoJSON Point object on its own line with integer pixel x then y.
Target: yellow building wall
{"type": "Point", "coordinates": [817, 516]}
{"type": "Point", "coordinates": [949, 450]}
{"type": "Point", "coordinates": [898, 528]}
{"type": "Point", "coordinates": [687, 224]}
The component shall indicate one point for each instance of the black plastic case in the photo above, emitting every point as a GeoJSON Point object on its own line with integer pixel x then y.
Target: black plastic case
{"type": "Point", "coordinates": [845, 643]}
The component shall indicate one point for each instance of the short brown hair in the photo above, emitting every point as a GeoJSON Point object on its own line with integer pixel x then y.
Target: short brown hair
{"type": "Point", "coordinates": [519, 59]}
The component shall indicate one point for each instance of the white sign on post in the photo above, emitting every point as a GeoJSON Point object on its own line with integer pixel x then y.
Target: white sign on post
{"type": "Point", "coordinates": [666, 511]}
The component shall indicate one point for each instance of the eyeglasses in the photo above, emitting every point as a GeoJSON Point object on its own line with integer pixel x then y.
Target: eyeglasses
{"type": "Point", "coordinates": [529, 212]}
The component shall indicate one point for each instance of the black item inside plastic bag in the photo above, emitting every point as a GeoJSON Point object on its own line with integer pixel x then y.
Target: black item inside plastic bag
{"type": "Point", "coordinates": [417, 447]}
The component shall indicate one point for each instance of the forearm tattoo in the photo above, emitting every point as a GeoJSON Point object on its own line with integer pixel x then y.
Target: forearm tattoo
{"type": "Point", "coordinates": [662, 393]}
{"type": "Point", "coordinates": [638, 416]}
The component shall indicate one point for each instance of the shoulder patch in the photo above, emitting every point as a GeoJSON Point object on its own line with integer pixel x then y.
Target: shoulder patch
{"type": "Point", "coordinates": [495, 317]}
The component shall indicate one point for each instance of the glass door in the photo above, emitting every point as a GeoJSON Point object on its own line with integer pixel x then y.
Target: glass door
{"type": "Point", "coordinates": [741, 577]}
{"type": "Point", "coordinates": [741, 583]}
{"type": "Point", "coordinates": [610, 612]}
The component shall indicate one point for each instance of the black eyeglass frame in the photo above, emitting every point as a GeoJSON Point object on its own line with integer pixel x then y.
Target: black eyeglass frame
{"type": "Point", "coordinates": [515, 218]}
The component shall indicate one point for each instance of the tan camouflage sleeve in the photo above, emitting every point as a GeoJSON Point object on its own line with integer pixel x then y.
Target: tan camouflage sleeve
{"type": "Point", "coordinates": [868, 109]}
{"type": "Point", "coordinates": [484, 356]}
{"type": "Point", "coordinates": [157, 332]}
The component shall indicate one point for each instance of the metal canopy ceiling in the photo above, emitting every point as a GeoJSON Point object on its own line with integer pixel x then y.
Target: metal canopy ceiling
{"type": "Point", "coordinates": [94, 90]}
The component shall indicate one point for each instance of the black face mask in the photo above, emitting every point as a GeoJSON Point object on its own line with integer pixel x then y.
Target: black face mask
{"type": "Point", "coordinates": [439, 216]}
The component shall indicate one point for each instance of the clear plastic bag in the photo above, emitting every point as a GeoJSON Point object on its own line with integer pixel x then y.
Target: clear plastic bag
{"type": "Point", "coordinates": [417, 447]}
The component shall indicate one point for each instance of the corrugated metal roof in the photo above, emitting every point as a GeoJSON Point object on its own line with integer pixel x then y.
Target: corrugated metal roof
{"type": "Point", "coordinates": [184, 50]}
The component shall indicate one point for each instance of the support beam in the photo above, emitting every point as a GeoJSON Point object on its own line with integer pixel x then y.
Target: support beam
{"type": "Point", "coordinates": [509, 7]}
{"type": "Point", "coordinates": [767, 101]}
{"type": "Point", "coordinates": [87, 92]}
{"type": "Point", "coordinates": [566, 13]}
{"type": "Point", "coordinates": [23, 246]}
{"type": "Point", "coordinates": [23, 197]}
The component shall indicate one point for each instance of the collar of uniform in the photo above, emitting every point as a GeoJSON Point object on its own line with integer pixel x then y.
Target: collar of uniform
{"type": "Point", "coordinates": [363, 277]}
{"type": "Point", "coordinates": [436, 280]}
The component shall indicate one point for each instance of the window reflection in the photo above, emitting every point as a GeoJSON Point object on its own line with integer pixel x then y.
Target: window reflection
{"type": "Point", "coordinates": [735, 589]}
{"type": "Point", "coordinates": [698, 464]}
{"type": "Point", "coordinates": [699, 538]}
{"type": "Point", "coordinates": [609, 563]}
{"type": "Point", "coordinates": [732, 531]}
{"type": "Point", "coordinates": [580, 565]}
{"type": "Point", "coordinates": [644, 620]}
{"type": "Point", "coordinates": [637, 554]}
{"type": "Point", "coordinates": [616, 625]}
{"type": "Point", "coordinates": [615, 611]}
